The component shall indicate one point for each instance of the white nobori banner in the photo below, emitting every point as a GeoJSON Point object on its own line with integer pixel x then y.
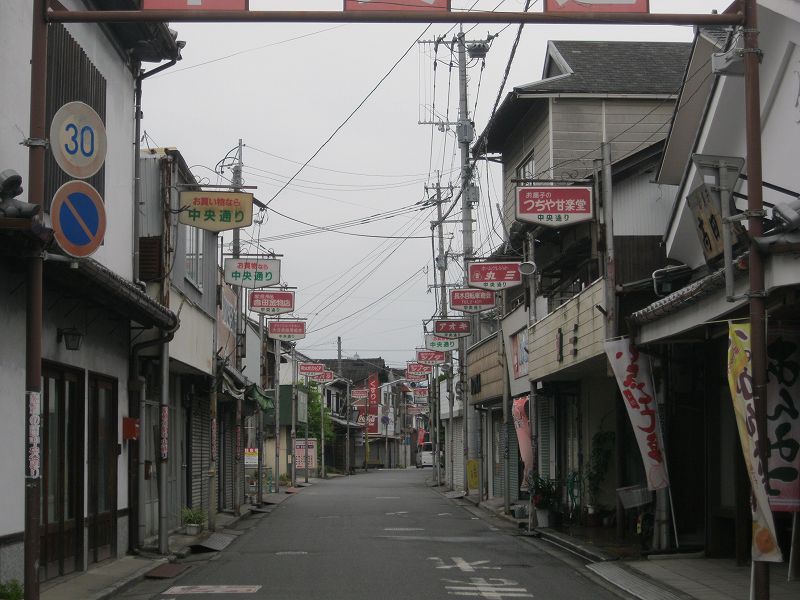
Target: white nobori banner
{"type": "Point", "coordinates": [635, 381]}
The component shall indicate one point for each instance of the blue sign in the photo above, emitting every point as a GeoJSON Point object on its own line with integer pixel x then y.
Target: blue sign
{"type": "Point", "coordinates": [78, 218]}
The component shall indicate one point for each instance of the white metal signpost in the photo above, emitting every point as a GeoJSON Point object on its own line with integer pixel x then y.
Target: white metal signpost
{"type": "Point", "coordinates": [435, 342]}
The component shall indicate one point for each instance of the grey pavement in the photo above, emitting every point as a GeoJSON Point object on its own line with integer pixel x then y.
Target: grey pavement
{"type": "Point", "coordinates": [675, 577]}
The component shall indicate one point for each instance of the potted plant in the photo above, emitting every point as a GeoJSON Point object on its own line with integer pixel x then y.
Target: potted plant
{"type": "Point", "coordinates": [193, 519]}
{"type": "Point", "coordinates": [544, 495]}
{"type": "Point", "coordinates": [596, 468]}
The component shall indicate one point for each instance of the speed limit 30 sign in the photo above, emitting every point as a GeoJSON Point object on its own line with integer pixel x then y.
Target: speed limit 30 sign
{"type": "Point", "coordinates": [78, 140]}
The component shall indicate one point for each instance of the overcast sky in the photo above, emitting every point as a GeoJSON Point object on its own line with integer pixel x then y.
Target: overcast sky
{"type": "Point", "coordinates": [285, 88]}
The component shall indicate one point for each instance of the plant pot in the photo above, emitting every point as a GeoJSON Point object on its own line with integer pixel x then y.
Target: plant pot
{"type": "Point", "coordinates": [193, 528]}
{"type": "Point", "coordinates": [543, 517]}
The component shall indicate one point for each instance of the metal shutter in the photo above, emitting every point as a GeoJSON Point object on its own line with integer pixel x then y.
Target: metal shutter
{"type": "Point", "coordinates": [200, 458]}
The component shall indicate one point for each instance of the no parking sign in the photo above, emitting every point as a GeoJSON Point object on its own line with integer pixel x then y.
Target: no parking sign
{"type": "Point", "coordinates": [78, 218]}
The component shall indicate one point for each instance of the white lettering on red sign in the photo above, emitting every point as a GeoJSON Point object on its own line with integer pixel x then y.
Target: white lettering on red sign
{"type": "Point", "coordinates": [164, 433]}
{"type": "Point", "coordinates": [494, 276]}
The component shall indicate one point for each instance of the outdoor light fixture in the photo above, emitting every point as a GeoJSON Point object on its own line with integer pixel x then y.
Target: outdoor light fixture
{"type": "Point", "coordinates": [72, 338]}
{"type": "Point", "coordinates": [527, 268]}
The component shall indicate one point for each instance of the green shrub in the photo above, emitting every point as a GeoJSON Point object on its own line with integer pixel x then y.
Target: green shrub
{"type": "Point", "coordinates": [11, 590]}
{"type": "Point", "coordinates": [193, 516]}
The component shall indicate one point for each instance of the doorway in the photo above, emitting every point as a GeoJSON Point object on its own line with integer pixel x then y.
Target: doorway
{"type": "Point", "coordinates": [62, 444]}
{"type": "Point", "coordinates": [102, 465]}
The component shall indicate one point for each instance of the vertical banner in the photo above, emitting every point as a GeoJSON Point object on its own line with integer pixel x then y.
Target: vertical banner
{"type": "Point", "coordinates": [783, 418]}
{"type": "Point", "coordinates": [372, 403]}
{"type": "Point", "coordinates": [636, 384]}
{"type": "Point", "coordinates": [164, 433]}
{"type": "Point", "coordinates": [519, 411]}
{"type": "Point", "coordinates": [765, 545]}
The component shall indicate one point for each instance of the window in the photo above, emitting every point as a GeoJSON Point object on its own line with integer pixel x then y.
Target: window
{"type": "Point", "coordinates": [194, 255]}
{"type": "Point", "coordinates": [527, 168]}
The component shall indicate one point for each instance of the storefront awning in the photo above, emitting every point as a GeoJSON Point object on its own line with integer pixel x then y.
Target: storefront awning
{"type": "Point", "coordinates": [259, 396]}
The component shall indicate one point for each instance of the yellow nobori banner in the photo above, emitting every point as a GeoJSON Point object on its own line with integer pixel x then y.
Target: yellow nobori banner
{"type": "Point", "coordinates": [765, 545]}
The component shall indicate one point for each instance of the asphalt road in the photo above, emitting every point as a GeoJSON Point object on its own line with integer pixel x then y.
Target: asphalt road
{"type": "Point", "coordinates": [383, 535]}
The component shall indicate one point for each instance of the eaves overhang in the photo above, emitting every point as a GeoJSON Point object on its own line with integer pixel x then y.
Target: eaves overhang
{"type": "Point", "coordinates": [98, 284]}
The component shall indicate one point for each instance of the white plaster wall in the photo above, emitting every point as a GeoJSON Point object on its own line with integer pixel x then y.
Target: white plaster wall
{"type": "Point", "coordinates": [12, 403]}
{"type": "Point", "coordinates": [15, 54]}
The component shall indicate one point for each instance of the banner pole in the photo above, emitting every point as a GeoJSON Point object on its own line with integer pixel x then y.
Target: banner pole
{"type": "Point", "coordinates": [672, 513]}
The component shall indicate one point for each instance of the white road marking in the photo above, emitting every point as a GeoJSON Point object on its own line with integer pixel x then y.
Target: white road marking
{"type": "Point", "coordinates": [494, 589]}
{"type": "Point", "coordinates": [399, 512]}
{"type": "Point", "coordinates": [180, 590]}
{"type": "Point", "coordinates": [444, 514]}
{"type": "Point", "coordinates": [403, 529]}
{"type": "Point", "coordinates": [291, 553]}
{"type": "Point", "coordinates": [387, 498]}
{"type": "Point", "coordinates": [463, 565]}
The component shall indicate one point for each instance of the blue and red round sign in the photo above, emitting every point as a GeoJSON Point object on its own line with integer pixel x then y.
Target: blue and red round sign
{"type": "Point", "coordinates": [78, 218]}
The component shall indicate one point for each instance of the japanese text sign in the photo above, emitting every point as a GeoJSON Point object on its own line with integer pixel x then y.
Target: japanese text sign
{"type": "Point", "coordinates": [494, 275]}
{"type": "Point", "coordinates": [452, 328]}
{"type": "Point", "coordinates": [554, 206]}
{"type": "Point", "coordinates": [420, 393]}
{"type": "Point", "coordinates": [310, 369]}
{"type": "Point", "coordinates": [434, 342]}
{"type": "Point", "coordinates": [636, 384]}
{"type": "Point", "coordinates": [287, 330]}
{"type": "Point", "coordinates": [708, 220]}
{"type": "Point", "coordinates": [404, 6]}
{"type": "Point", "coordinates": [323, 377]}
{"type": "Point", "coordinates": [764, 540]}
{"type": "Point", "coordinates": [431, 357]}
{"type": "Point", "coordinates": [416, 367]}
{"type": "Point", "coordinates": [272, 303]}
{"type": "Point", "coordinates": [587, 6]}
{"type": "Point", "coordinates": [472, 300]}
{"type": "Point", "coordinates": [360, 393]}
{"type": "Point", "coordinates": [252, 273]}
{"type": "Point", "coordinates": [415, 376]}
{"type": "Point", "coordinates": [240, 5]}
{"type": "Point", "coordinates": [216, 211]}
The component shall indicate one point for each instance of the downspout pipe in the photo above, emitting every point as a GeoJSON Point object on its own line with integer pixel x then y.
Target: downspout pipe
{"type": "Point", "coordinates": [138, 382]}
{"type": "Point", "coordinates": [137, 171]}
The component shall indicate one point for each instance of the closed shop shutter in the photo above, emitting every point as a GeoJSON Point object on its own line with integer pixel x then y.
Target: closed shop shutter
{"type": "Point", "coordinates": [458, 454]}
{"type": "Point", "coordinates": [227, 450]}
{"type": "Point", "coordinates": [547, 452]}
{"type": "Point", "coordinates": [497, 454]}
{"type": "Point", "coordinates": [200, 458]}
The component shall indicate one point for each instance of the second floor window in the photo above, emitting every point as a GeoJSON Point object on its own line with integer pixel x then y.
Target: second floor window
{"type": "Point", "coordinates": [527, 168]}
{"type": "Point", "coordinates": [194, 255]}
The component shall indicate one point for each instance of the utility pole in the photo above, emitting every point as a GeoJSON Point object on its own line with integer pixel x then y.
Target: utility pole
{"type": "Point", "coordinates": [236, 182]}
{"type": "Point", "coordinates": [262, 352]}
{"type": "Point", "coordinates": [347, 407]}
{"type": "Point", "coordinates": [294, 415]}
{"type": "Point", "coordinates": [276, 475]}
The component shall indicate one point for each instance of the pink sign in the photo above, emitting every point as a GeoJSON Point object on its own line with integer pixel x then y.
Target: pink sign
{"type": "Point", "coordinates": [287, 330]}
{"type": "Point", "coordinates": [417, 367]}
{"type": "Point", "coordinates": [195, 4]}
{"type": "Point", "coordinates": [452, 328]}
{"type": "Point", "coordinates": [431, 357]}
{"type": "Point", "coordinates": [310, 369]}
{"type": "Point", "coordinates": [494, 275]}
{"type": "Point", "coordinates": [606, 6]}
{"type": "Point", "coordinates": [472, 300]}
{"type": "Point", "coordinates": [404, 6]}
{"type": "Point", "coordinates": [271, 303]}
{"type": "Point", "coordinates": [554, 206]}
{"type": "Point", "coordinates": [519, 411]}
{"type": "Point", "coordinates": [420, 392]}
{"type": "Point", "coordinates": [361, 393]}
{"type": "Point", "coordinates": [323, 377]}
{"type": "Point", "coordinates": [636, 384]}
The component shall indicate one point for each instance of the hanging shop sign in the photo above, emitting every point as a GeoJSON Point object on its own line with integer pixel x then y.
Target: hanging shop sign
{"type": "Point", "coordinates": [443, 344]}
{"type": "Point", "coordinates": [431, 357]}
{"type": "Point", "coordinates": [472, 300]}
{"type": "Point", "coordinates": [359, 396]}
{"type": "Point", "coordinates": [324, 377]}
{"type": "Point", "coordinates": [589, 6]}
{"type": "Point", "coordinates": [404, 6]}
{"type": "Point", "coordinates": [555, 207]}
{"type": "Point", "coordinates": [416, 377]}
{"type": "Point", "coordinates": [310, 369]}
{"type": "Point", "coordinates": [238, 5]}
{"type": "Point", "coordinates": [286, 331]}
{"type": "Point", "coordinates": [493, 275]}
{"type": "Point", "coordinates": [420, 393]}
{"type": "Point", "coordinates": [271, 303]}
{"type": "Point", "coordinates": [418, 368]}
{"type": "Point", "coordinates": [252, 273]}
{"type": "Point", "coordinates": [452, 328]}
{"type": "Point", "coordinates": [216, 211]}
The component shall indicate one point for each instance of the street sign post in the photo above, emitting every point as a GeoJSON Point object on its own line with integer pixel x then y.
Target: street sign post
{"type": "Point", "coordinates": [434, 342]}
{"type": "Point", "coordinates": [78, 140]}
{"type": "Point", "coordinates": [272, 303]}
{"type": "Point", "coordinates": [452, 328]}
{"type": "Point", "coordinates": [286, 331]}
{"type": "Point", "coordinates": [552, 206]}
{"type": "Point", "coordinates": [252, 272]}
{"type": "Point", "coordinates": [472, 300]}
{"type": "Point", "coordinates": [431, 357]}
{"type": "Point", "coordinates": [216, 211]}
{"type": "Point", "coordinates": [78, 218]}
{"type": "Point", "coordinates": [604, 6]}
{"type": "Point", "coordinates": [310, 369]}
{"type": "Point", "coordinates": [493, 275]}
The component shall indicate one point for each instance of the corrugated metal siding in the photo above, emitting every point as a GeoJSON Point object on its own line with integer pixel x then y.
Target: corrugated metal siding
{"type": "Point", "coordinates": [71, 77]}
{"type": "Point", "coordinates": [502, 438]}
{"type": "Point", "coordinates": [546, 437]}
{"type": "Point", "coordinates": [577, 134]}
{"type": "Point", "coordinates": [151, 218]}
{"type": "Point", "coordinates": [641, 207]}
{"type": "Point", "coordinates": [458, 454]}
{"type": "Point", "coordinates": [200, 440]}
{"type": "Point", "coordinates": [484, 360]}
{"type": "Point", "coordinates": [636, 124]}
{"type": "Point", "coordinates": [227, 448]}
